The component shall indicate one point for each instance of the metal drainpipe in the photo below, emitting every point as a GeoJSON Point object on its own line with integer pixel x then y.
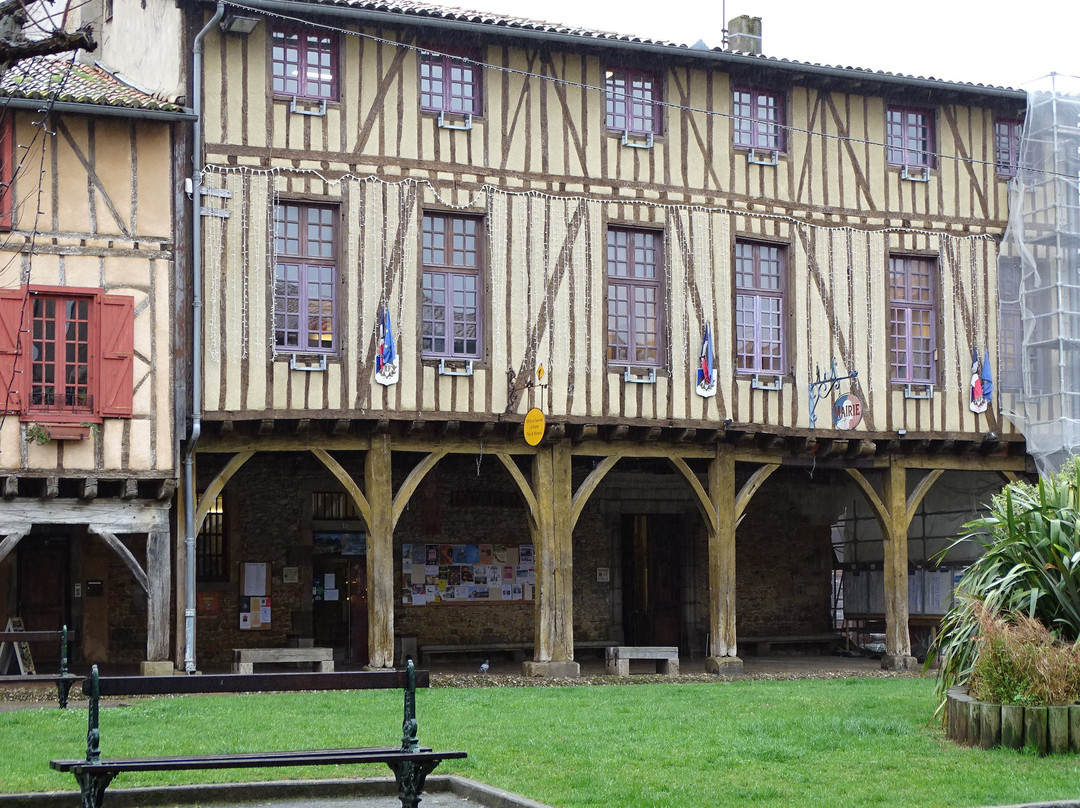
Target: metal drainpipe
{"type": "Point", "coordinates": [196, 342]}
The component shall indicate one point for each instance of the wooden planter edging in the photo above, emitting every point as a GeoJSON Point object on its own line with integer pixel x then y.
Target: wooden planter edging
{"type": "Point", "coordinates": [1049, 730]}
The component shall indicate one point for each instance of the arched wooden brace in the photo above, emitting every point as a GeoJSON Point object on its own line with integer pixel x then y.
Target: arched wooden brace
{"type": "Point", "coordinates": [125, 554]}
{"type": "Point", "coordinates": [523, 486]}
{"type": "Point", "coordinates": [708, 509]}
{"type": "Point", "coordinates": [217, 485]}
{"type": "Point", "coordinates": [588, 485]}
{"type": "Point", "coordinates": [15, 534]}
{"type": "Point", "coordinates": [416, 476]}
{"type": "Point", "coordinates": [363, 507]}
{"type": "Point", "coordinates": [750, 487]}
{"type": "Point", "coordinates": [894, 513]}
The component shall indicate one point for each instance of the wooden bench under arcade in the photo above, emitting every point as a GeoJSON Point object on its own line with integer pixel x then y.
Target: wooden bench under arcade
{"type": "Point", "coordinates": [619, 657]}
{"type": "Point", "coordinates": [410, 762]}
{"type": "Point", "coordinates": [245, 659]}
{"type": "Point", "coordinates": [762, 646]}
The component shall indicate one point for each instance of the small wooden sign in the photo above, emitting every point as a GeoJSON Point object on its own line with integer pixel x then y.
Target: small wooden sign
{"type": "Point", "coordinates": [534, 426]}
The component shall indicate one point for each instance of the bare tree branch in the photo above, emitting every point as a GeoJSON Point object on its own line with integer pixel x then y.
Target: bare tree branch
{"type": "Point", "coordinates": [14, 45]}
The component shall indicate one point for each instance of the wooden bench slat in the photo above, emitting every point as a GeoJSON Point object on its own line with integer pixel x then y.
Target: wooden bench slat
{"type": "Point", "coordinates": [253, 682]}
{"type": "Point", "coordinates": [253, 760]}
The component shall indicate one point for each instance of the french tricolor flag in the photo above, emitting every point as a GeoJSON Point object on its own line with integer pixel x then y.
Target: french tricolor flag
{"type": "Point", "coordinates": [706, 375]}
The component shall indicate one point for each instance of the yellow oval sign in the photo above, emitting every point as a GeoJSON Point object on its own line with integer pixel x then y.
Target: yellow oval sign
{"type": "Point", "coordinates": [534, 426]}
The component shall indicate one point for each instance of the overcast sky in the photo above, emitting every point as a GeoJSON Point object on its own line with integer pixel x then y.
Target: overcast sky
{"type": "Point", "coordinates": [1006, 44]}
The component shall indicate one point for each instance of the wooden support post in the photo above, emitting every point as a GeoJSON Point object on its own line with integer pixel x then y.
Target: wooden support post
{"type": "Point", "coordinates": [897, 639]}
{"type": "Point", "coordinates": [159, 578]}
{"type": "Point", "coordinates": [722, 652]}
{"type": "Point", "coordinates": [378, 486]}
{"type": "Point", "coordinates": [552, 545]}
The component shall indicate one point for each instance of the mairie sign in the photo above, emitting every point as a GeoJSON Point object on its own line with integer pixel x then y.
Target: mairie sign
{"type": "Point", "coordinates": [847, 411]}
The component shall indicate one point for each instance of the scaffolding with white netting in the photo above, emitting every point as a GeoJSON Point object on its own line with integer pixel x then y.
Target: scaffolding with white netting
{"type": "Point", "coordinates": [1039, 278]}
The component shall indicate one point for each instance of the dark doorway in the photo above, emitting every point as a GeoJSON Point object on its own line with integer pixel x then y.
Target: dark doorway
{"type": "Point", "coordinates": [652, 556]}
{"type": "Point", "coordinates": [44, 575]}
{"type": "Point", "coordinates": [340, 595]}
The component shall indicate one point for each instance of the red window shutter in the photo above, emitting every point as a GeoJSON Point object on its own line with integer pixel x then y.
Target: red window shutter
{"type": "Point", "coordinates": [116, 386]}
{"type": "Point", "coordinates": [11, 319]}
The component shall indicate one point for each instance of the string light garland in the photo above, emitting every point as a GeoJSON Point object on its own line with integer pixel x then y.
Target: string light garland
{"type": "Point", "coordinates": [787, 128]}
{"type": "Point", "coordinates": [544, 223]}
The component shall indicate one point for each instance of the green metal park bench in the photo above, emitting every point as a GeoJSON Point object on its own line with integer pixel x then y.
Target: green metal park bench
{"type": "Point", "coordinates": [410, 762]}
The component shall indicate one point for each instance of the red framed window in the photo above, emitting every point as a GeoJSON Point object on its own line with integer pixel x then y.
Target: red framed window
{"type": "Point", "coordinates": [451, 323]}
{"type": "Point", "coordinates": [449, 84]}
{"type": "Point", "coordinates": [909, 136]}
{"type": "Point", "coordinates": [304, 64]}
{"type": "Point", "coordinates": [7, 162]}
{"type": "Point", "coordinates": [66, 354]}
{"type": "Point", "coordinates": [634, 296]}
{"type": "Point", "coordinates": [759, 307]}
{"type": "Point", "coordinates": [912, 317]}
{"type": "Point", "coordinates": [758, 120]}
{"type": "Point", "coordinates": [1007, 147]}
{"type": "Point", "coordinates": [633, 102]}
{"type": "Point", "coordinates": [305, 277]}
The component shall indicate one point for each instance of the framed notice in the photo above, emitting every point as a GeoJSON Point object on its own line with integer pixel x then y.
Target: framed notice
{"type": "Point", "coordinates": [254, 596]}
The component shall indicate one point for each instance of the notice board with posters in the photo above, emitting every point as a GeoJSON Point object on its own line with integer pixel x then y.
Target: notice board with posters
{"type": "Point", "coordinates": [466, 573]}
{"type": "Point", "coordinates": [255, 612]}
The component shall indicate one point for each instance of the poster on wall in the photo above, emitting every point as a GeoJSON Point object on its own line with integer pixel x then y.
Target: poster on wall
{"type": "Point", "coordinates": [255, 611]}
{"type": "Point", "coordinates": [466, 573]}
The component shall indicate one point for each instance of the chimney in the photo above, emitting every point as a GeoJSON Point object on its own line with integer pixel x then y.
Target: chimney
{"type": "Point", "coordinates": [744, 35]}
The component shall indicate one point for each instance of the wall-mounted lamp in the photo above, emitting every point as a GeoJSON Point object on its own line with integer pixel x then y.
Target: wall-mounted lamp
{"type": "Point", "coordinates": [901, 433]}
{"type": "Point", "coordinates": [990, 436]}
{"type": "Point", "coordinates": [235, 24]}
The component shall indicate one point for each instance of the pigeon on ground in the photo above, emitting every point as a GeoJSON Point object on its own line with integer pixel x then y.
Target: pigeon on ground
{"type": "Point", "coordinates": [484, 666]}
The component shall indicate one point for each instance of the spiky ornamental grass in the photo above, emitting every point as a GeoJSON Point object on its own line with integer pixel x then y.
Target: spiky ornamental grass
{"type": "Point", "coordinates": [1030, 565]}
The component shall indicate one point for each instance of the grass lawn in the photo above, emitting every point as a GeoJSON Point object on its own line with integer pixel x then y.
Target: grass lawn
{"type": "Point", "coordinates": [828, 743]}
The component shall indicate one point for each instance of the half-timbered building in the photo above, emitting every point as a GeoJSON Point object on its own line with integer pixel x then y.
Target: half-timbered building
{"type": "Point", "coordinates": [88, 452]}
{"type": "Point", "coordinates": [510, 336]}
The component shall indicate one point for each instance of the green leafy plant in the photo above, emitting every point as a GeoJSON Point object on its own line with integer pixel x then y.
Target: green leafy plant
{"type": "Point", "coordinates": [36, 433]}
{"type": "Point", "coordinates": [1030, 566]}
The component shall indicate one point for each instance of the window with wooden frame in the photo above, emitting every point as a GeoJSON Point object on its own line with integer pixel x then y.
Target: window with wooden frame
{"type": "Point", "coordinates": [909, 136]}
{"type": "Point", "coordinates": [66, 355]}
{"type": "Point", "coordinates": [633, 102]}
{"type": "Point", "coordinates": [912, 320]}
{"type": "Point", "coordinates": [634, 297]}
{"type": "Point", "coordinates": [1007, 147]}
{"type": "Point", "coordinates": [758, 118]}
{"type": "Point", "coordinates": [449, 83]}
{"type": "Point", "coordinates": [305, 277]}
{"type": "Point", "coordinates": [7, 164]}
{"type": "Point", "coordinates": [451, 322]}
{"type": "Point", "coordinates": [212, 547]}
{"type": "Point", "coordinates": [304, 64]}
{"type": "Point", "coordinates": [760, 271]}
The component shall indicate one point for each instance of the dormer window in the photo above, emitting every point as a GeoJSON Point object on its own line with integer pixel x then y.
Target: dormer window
{"type": "Point", "coordinates": [633, 102]}
{"type": "Point", "coordinates": [909, 137]}
{"type": "Point", "coordinates": [304, 64]}
{"type": "Point", "coordinates": [758, 119]}
{"type": "Point", "coordinates": [449, 84]}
